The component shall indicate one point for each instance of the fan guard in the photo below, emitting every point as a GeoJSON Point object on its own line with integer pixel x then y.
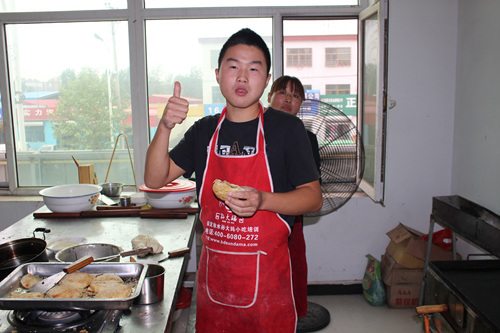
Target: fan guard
{"type": "Point", "coordinates": [341, 153]}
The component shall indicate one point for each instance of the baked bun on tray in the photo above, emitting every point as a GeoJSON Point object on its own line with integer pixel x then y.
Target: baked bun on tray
{"type": "Point", "coordinates": [222, 187]}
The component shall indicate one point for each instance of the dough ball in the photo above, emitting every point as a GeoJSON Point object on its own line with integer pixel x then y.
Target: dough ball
{"type": "Point", "coordinates": [142, 240]}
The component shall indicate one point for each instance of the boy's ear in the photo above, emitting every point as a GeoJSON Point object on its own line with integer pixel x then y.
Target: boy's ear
{"type": "Point", "coordinates": [268, 78]}
{"type": "Point", "coordinates": [269, 97]}
{"type": "Point", "coordinates": [217, 74]}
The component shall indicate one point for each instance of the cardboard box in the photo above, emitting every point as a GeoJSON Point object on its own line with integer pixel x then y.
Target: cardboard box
{"type": "Point", "coordinates": [402, 284]}
{"type": "Point", "coordinates": [394, 273]}
{"type": "Point", "coordinates": [409, 250]}
{"type": "Point", "coordinates": [403, 295]}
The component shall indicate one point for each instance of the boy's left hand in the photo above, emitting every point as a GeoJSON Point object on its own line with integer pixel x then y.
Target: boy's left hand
{"type": "Point", "coordinates": [246, 203]}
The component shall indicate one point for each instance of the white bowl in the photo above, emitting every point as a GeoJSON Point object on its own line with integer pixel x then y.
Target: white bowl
{"type": "Point", "coordinates": [178, 194]}
{"type": "Point", "coordinates": [171, 200]}
{"type": "Point", "coordinates": [57, 244]}
{"type": "Point", "coordinates": [71, 198]}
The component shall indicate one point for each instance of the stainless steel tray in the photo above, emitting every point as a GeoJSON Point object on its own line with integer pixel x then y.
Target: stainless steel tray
{"type": "Point", "coordinates": [124, 270]}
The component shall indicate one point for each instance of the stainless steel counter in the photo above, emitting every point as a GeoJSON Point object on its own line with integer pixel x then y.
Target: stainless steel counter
{"type": "Point", "coordinates": [171, 233]}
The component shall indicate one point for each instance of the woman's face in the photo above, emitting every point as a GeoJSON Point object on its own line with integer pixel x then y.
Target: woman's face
{"type": "Point", "coordinates": [285, 100]}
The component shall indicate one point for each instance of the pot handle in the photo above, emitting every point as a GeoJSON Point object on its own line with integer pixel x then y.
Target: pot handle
{"type": "Point", "coordinates": [44, 230]}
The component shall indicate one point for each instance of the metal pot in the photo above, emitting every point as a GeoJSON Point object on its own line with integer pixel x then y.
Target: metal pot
{"type": "Point", "coordinates": [99, 251]}
{"type": "Point", "coordinates": [152, 288]}
{"type": "Point", "coordinates": [112, 189]}
{"type": "Point", "coordinates": [21, 251]}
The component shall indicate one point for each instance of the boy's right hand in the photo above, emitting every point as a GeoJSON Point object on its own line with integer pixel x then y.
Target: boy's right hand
{"type": "Point", "coordinates": [176, 109]}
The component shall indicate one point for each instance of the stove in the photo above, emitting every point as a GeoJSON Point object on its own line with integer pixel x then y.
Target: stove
{"type": "Point", "coordinates": [469, 289]}
{"type": "Point", "coordinates": [84, 321]}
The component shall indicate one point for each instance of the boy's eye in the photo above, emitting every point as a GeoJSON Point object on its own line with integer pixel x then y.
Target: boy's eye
{"type": "Point", "coordinates": [296, 96]}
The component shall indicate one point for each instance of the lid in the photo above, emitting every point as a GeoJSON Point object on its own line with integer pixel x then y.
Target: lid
{"type": "Point", "coordinates": [178, 185]}
{"type": "Point", "coordinates": [184, 300]}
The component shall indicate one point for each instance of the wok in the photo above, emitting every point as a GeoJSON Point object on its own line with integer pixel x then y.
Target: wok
{"type": "Point", "coordinates": [21, 251]}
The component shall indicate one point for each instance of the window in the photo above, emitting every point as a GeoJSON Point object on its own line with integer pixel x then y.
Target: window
{"type": "Point", "coordinates": [372, 98]}
{"type": "Point", "coordinates": [86, 67]}
{"type": "Point", "coordinates": [299, 57]}
{"type": "Point", "coordinates": [337, 89]}
{"type": "Point", "coordinates": [337, 56]}
{"type": "Point", "coordinates": [73, 77]}
{"type": "Point", "coordinates": [35, 132]}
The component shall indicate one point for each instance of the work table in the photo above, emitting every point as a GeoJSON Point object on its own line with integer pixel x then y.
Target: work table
{"type": "Point", "coordinates": [171, 233]}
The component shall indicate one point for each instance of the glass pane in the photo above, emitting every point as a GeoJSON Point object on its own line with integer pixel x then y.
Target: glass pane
{"type": "Point", "coordinates": [370, 88]}
{"type": "Point", "coordinates": [71, 98]}
{"type": "Point", "coordinates": [3, 159]}
{"type": "Point", "coordinates": [255, 3]}
{"type": "Point", "coordinates": [59, 5]}
{"type": "Point", "coordinates": [190, 57]}
{"type": "Point", "coordinates": [309, 48]}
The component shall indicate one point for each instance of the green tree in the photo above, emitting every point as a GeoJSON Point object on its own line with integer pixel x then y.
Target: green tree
{"type": "Point", "coordinates": [81, 120]}
{"type": "Point", "coordinates": [159, 83]}
{"type": "Point", "coordinates": [192, 84]}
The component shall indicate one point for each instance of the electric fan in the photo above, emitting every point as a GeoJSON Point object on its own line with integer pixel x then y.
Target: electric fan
{"type": "Point", "coordinates": [342, 164]}
{"type": "Point", "coordinates": [340, 149]}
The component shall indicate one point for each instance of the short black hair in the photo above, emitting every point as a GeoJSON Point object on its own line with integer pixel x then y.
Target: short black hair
{"type": "Point", "coordinates": [248, 37]}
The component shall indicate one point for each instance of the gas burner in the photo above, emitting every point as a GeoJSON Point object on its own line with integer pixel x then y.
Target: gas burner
{"type": "Point", "coordinates": [57, 321]}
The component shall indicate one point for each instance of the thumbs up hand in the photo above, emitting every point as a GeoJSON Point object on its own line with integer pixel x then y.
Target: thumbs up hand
{"type": "Point", "coordinates": [176, 109]}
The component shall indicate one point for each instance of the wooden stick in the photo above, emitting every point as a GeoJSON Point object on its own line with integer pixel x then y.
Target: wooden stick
{"type": "Point", "coordinates": [74, 159]}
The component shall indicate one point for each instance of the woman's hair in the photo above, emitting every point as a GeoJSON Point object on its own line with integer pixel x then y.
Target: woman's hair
{"type": "Point", "coordinates": [282, 82]}
{"type": "Point", "coordinates": [246, 37]}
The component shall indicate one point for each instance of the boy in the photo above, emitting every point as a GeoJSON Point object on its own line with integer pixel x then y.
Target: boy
{"type": "Point", "coordinates": [244, 276]}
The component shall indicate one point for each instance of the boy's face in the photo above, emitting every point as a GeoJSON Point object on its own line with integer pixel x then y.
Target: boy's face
{"type": "Point", "coordinates": [287, 100]}
{"type": "Point", "coordinates": [242, 76]}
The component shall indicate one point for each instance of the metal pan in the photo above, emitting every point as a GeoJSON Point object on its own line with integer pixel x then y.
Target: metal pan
{"type": "Point", "coordinates": [124, 270]}
{"type": "Point", "coordinates": [21, 251]}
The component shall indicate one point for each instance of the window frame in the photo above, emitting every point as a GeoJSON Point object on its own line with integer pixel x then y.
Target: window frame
{"type": "Point", "coordinates": [136, 16]}
{"type": "Point", "coordinates": [375, 190]}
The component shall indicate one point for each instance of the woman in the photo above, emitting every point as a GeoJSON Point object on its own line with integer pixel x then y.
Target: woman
{"type": "Point", "coordinates": [287, 94]}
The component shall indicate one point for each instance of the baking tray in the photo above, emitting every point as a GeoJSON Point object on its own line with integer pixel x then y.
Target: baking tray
{"type": "Point", "coordinates": [123, 270]}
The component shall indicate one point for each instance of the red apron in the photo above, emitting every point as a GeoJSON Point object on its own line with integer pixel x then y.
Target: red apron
{"type": "Point", "coordinates": [244, 275]}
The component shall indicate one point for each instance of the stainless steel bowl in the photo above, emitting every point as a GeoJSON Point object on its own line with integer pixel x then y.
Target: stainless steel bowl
{"type": "Point", "coordinates": [112, 189]}
{"type": "Point", "coordinates": [96, 250]}
{"type": "Point", "coordinates": [152, 288]}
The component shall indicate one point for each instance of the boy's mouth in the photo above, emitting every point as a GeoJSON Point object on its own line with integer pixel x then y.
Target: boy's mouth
{"type": "Point", "coordinates": [240, 91]}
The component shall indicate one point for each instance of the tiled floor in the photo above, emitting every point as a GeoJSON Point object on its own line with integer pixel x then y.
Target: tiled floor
{"type": "Point", "coordinates": [353, 314]}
